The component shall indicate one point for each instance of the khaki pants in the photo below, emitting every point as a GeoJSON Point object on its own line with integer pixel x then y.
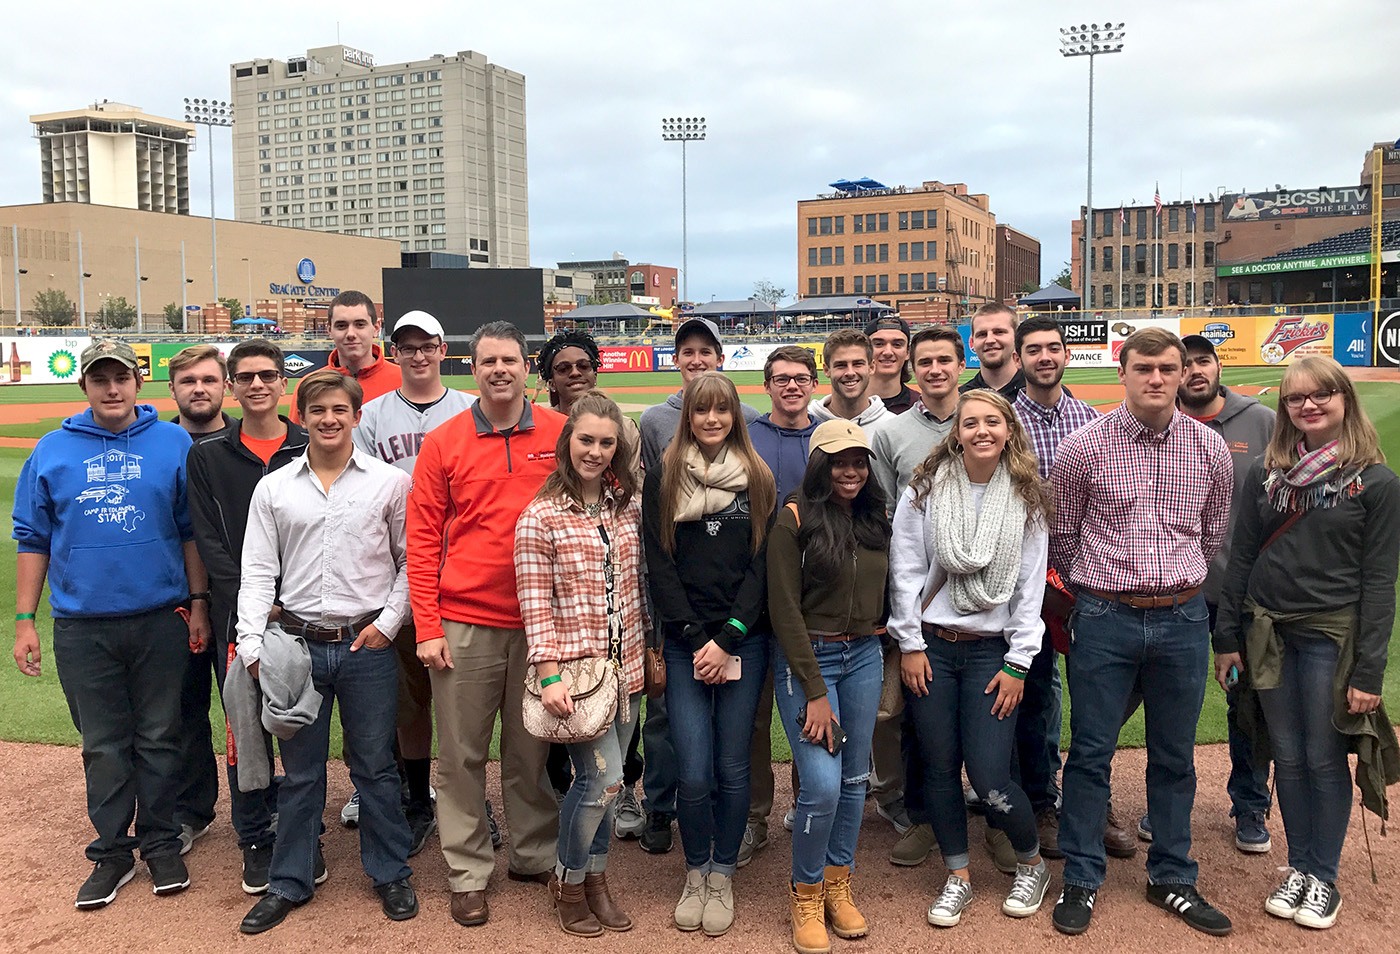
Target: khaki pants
{"type": "Point", "coordinates": [887, 779]}
{"type": "Point", "coordinates": [488, 676]}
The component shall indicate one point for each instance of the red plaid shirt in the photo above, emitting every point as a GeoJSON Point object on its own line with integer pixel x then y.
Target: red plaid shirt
{"type": "Point", "coordinates": [563, 595]}
{"type": "Point", "coordinates": [1138, 511]}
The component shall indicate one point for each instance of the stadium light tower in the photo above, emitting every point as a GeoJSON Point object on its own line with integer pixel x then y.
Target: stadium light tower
{"type": "Point", "coordinates": [1090, 39]}
{"type": "Point", "coordinates": [684, 130]}
{"type": "Point", "coordinates": [210, 113]}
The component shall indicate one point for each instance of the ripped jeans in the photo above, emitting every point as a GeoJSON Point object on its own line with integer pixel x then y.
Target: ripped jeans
{"type": "Point", "coordinates": [832, 796]}
{"type": "Point", "coordinates": [954, 727]}
{"type": "Point", "coordinates": [586, 814]}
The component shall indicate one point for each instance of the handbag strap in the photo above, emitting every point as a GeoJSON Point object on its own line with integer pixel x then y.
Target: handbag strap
{"type": "Point", "coordinates": [614, 623]}
{"type": "Point", "coordinates": [936, 590]}
{"type": "Point", "coordinates": [1282, 528]}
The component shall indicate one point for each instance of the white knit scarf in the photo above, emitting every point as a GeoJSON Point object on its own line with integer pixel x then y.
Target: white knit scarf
{"type": "Point", "coordinates": [980, 549]}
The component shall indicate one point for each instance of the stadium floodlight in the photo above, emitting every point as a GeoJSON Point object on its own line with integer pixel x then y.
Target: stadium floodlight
{"type": "Point", "coordinates": [210, 113]}
{"type": "Point", "coordinates": [683, 130]}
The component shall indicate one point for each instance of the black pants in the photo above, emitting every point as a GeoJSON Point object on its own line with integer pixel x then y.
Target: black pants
{"type": "Point", "coordinates": [250, 812]}
{"type": "Point", "coordinates": [199, 766]}
{"type": "Point", "coordinates": [122, 678]}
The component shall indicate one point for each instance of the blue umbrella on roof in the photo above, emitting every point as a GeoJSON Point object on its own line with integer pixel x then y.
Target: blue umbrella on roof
{"type": "Point", "coordinates": [253, 321]}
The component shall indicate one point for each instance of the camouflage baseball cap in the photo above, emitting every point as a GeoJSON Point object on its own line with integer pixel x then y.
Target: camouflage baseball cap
{"type": "Point", "coordinates": [103, 349]}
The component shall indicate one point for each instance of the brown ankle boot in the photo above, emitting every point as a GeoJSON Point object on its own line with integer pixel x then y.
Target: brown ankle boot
{"type": "Point", "coordinates": [846, 921]}
{"type": "Point", "coordinates": [600, 902]}
{"type": "Point", "coordinates": [572, 907]}
{"type": "Point", "coordinates": [808, 924]}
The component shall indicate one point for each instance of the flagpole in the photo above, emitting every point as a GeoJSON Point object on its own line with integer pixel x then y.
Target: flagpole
{"type": "Point", "coordinates": [1122, 224]}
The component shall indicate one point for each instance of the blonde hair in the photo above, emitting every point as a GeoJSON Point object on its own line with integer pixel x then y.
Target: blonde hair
{"type": "Point", "coordinates": [1017, 455]}
{"type": "Point", "coordinates": [1358, 445]}
{"type": "Point", "coordinates": [704, 391]}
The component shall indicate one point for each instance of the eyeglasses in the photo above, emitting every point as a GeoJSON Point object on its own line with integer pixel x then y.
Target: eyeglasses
{"type": "Point", "coordinates": [1319, 398]}
{"type": "Point", "coordinates": [427, 350]}
{"type": "Point", "coordinates": [783, 380]}
{"type": "Point", "coordinates": [245, 378]}
{"type": "Point", "coordinates": [582, 366]}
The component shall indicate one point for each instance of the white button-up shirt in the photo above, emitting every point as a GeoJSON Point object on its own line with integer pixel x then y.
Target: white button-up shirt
{"type": "Point", "coordinates": [339, 554]}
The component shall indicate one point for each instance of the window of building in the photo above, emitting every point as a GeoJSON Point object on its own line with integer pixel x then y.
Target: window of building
{"type": "Point", "coordinates": [903, 226]}
{"type": "Point", "coordinates": [1107, 228]}
{"type": "Point", "coordinates": [811, 286]}
{"type": "Point", "coordinates": [904, 276]}
{"type": "Point", "coordinates": [1172, 294]}
{"type": "Point", "coordinates": [826, 286]}
{"type": "Point", "coordinates": [840, 285]}
{"type": "Point", "coordinates": [884, 227]}
{"type": "Point", "coordinates": [916, 219]}
{"type": "Point", "coordinates": [858, 253]}
{"type": "Point", "coordinates": [884, 253]}
{"type": "Point", "coordinates": [916, 281]}
{"type": "Point", "coordinates": [1190, 254]}
{"type": "Point", "coordinates": [1140, 260]}
{"type": "Point", "coordinates": [1108, 258]}
{"type": "Point", "coordinates": [840, 225]}
{"type": "Point", "coordinates": [1208, 254]}
{"type": "Point", "coordinates": [811, 226]}
{"type": "Point", "coordinates": [824, 225]}
{"type": "Point", "coordinates": [884, 281]}
{"type": "Point", "coordinates": [904, 251]}
{"type": "Point", "coordinates": [932, 249]}
{"type": "Point", "coordinates": [840, 255]}
{"type": "Point", "coordinates": [869, 284]}
{"type": "Point", "coordinates": [858, 284]}
{"type": "Point", "coordinates": [1173, 219]}
{"type": "Point", "coordinates": [825, 256]}
{"type": "Point", "coordinates": [857, 224]}
{"type": "Point", "coordinates": [1108, 296]}
{"type": "Point", "coordinates": [1142, 223]}
{"type": "Point", "coordinates": [812, 257]}
{"type": "Point", "coordinates": [1209, 211]}
{"type": "Point", "coordinates": [916, 250]}
{"type": "Point", "coordinates": [1173, 255]}
{"type": "Point", "coordinates": [1140, 296]}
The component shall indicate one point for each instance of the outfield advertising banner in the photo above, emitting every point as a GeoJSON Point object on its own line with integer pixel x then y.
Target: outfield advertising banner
{"type": "Point", "coordinates": [41, 360]}
{"type": "Point", "coordinates": [1087, 342]}
{"type": "Point", "coordinates": [1236, 339]}
{"type": "Point", "coordinates": [1286, 338]}
{"type": "Point", "coordinates": [1353, 338]}
{"type": "Point", "coordinates": [627, 358]}
{"type": "Point", "coordinates": [1120, 328]}
{"type": "Point", "coordinates": [1388, 340]}
{"type": "Point", "coordinates": [969, 356]}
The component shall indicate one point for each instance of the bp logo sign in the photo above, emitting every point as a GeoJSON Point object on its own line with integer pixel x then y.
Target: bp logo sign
{"type": "Point", "coordinates": [1388, 341]}
{"type": "Point", "coordinates": [62, 364]}
{"type": "Point", "coordinates": [306, 271]}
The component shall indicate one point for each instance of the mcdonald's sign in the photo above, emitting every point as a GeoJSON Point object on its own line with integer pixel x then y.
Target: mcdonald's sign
{"type": "Point", "coordinates": [628, 358]}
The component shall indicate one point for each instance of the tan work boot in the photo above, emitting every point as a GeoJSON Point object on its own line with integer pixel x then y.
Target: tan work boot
{"type": "Point", "coordinates": [841, 909]}
{"type": "Point", "coordinates": [808, 925]}
{"type": "Point", "coordinates": [690, 910]}
{"type": "Point", "coordinates": [719, 904]}
{"type": "Point", "coordinates": [600, 902]}
{"type": "Point", "coordinates": [914, 847]}
{"type": "Point", "coordinates": [571, 906]}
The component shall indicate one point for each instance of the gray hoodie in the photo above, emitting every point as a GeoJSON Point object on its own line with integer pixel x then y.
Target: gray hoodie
{"type": "Point", "coordinates": [1246, 426]}
{"type": "Point", "coordinates": [875, 411]}
{"type": "Point", "coordinates": [659, 423]}
{"type": "Point", "coordinates": [281, 700]}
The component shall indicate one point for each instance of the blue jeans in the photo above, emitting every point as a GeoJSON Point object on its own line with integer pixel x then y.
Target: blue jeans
{"type": "Point", "coordinates": [658, 757]}
{"type": "Point", "coordinates": [366, 684]}
{"type": "Point", "coordinates": [1167, 652]}
{"type": "Point", "coordinates": [586, 814]}
{"type": "Point", "coordinates": [831, 800]}
{"type": "Point", "coordinates": [1036, 767]}
{"type": "Point", "coordinates": [1310, 756]}
{"type": "Point", "coordinates": [121, 676]}
{"type": "Point", "coordinates": [711, 727]}
{"type": "Point", "coordinates": [954, 726]}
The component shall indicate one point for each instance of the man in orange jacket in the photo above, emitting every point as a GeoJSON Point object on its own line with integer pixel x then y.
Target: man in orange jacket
{"type": "Point", "coordinates": [475, 474]}
{"type": "Point", "coordinates": [354, 326]}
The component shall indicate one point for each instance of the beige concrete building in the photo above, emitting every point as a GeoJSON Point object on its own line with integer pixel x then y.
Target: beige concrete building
{"type": "Point", "coordinates": [93, 253]}
{"type": "Point", "coordinates": [428, 153]}
{"type": "Point", "coordinates": [929, 250]}
{"type": "Point", "coordinates": [114, 154]}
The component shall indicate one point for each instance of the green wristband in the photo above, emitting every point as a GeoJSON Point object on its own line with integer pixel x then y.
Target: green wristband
{"type": "Point", "coordinates": [550, 680]}
{"type": "Point", "coordinates": [743, 630]}
{"type": "Point", "coordinates": [21, 617]}
{"type": "Point", "coordinates": [1013, 672]}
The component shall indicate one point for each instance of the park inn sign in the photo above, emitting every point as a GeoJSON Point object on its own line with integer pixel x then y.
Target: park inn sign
{"type": "Point", "coordinates": [1294, 264]}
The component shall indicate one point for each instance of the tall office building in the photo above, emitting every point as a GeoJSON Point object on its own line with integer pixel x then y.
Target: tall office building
{"type": "Point", "coordinates": [114, 154]}
{"type": "Point", "coordinates": [430, 153]}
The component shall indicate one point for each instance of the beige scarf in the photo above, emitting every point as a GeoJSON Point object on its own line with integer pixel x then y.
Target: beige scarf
{"type": "Point", "coordinates": [708, 486]}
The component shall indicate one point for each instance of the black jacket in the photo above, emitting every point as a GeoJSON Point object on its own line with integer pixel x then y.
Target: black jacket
{"type": "Point", "coordinates": [220, 476]}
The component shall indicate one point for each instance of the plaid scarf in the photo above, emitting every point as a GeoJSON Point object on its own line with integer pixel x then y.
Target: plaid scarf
{"type": "Point", "coordinates": [1316, 481]}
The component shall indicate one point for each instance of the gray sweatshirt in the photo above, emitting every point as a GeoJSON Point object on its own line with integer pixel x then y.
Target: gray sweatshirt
{"type": "Point", "coordinates": [659, 423]}
{"type": "Point", "coordinates": [900, 444]}
{"type": "Point", "coordinates": [1246, 426]}
{"type": "Point", "coordinates": [875, 412]}
{"type": "Point", "coordinates": [282, 700]}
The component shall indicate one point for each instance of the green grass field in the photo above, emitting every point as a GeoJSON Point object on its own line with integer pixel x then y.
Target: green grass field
{"type": "Point", "coordinates": [33, 710]}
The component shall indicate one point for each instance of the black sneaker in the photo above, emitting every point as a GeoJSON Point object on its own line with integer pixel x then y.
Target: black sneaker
{"type": "Point", "coordinates": [491, 824]}
{"type": "Point", "coordinates": [1074, 909]}
{"type": "Point", "coordinates": [1320, 905]}
{"type": "Point", "coordinates": [168, 874]}
{"type": "Point", "coordinates": [103, 884]}
{"type": "Point", "coordinates": [421, 823]}
{"type": "Point", "coordinates": [257, 860]}
{"type": "Point", "coordinates": [656, 838]}
{"type": "Point", "coordinates": [1186, 902]}
{"type": "Point", "coordinates": [319, 874]}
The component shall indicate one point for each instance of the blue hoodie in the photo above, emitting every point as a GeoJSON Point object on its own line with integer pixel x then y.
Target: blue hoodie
{"type": "Point", "coordinates": [109, 511]}
{"type": "Point", "coordinates": [784, 450]}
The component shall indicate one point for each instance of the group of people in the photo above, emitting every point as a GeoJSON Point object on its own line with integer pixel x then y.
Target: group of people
{"type": "Point", "coordinates": [892, 568]}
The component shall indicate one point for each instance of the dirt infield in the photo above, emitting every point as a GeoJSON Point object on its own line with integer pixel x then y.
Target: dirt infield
{"type": "Point", "coordinates": [46, 828]}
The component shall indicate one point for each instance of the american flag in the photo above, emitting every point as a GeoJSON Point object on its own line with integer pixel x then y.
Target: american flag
{"type": "Point", "coordinates": [1157, 199]}
{"type": "Point", "coordinates": [1123, 216]}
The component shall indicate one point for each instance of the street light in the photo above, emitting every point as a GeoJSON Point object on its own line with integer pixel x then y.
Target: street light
{"type": "Point", "coordinates": [683, 130]}
{"type": "Point", "coordinates": [210, 113]}
{"type": "Point", "coordinates": [249, 263]}
{"type": "Point", "coordinates": [1090, 39]}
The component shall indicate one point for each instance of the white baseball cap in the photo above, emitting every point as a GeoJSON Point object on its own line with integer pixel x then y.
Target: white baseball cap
{"type": "Point", "coordinates": [421, 320]}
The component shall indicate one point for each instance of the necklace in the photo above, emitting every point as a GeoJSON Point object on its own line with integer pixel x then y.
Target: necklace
{"type": "Point", "coordinates": [593, 509]}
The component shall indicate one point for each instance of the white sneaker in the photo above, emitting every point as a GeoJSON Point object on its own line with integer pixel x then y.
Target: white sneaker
{"type": "Point", "coordinates": [630, 819]}
{"type": "Point", "coordinates": [350, 814]}
{"type": "Point", "coordinates": [189, 835]}
{"type": "Point", "coordinates": [1027, 891]}
{"type": "Point", "coordinates": [790, 818]}
{"type": "Point", "coordinates": [1288, 896]}
{"type": "Point", "coordinates": [947, 910]}
{"type": "Point", "coordinates": [1320, 905]}
{"type": "Point", "coordinates": [690, 909]}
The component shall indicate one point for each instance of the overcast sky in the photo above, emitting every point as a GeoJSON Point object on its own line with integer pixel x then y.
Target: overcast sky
{"type": "Point", "coordinates": [1240, 93]}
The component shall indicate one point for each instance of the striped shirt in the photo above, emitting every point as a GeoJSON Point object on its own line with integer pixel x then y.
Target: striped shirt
{"type": "Point", "coordinates": [1048, 426]}
{"type": "Point", "coordinates": [560, 580]}
{"type": "Point", "coordinates": [1138, 511]}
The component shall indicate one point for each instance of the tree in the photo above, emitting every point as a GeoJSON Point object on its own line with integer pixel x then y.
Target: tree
{"type": "Point", "coordinates": [1063, 279]}
{"type": "Point", "coordinates": [764, 290]}
{"type": "Point", "coordinates": [115, 314]}
{"type": "Point", "coordinates": [174, 317]}
{"type": "Point", "coordinates": [54, 309]}
{"type": "Point", "coordinates": [1027, 288]}
{"type": "Point", "coordinates": [234, 306]}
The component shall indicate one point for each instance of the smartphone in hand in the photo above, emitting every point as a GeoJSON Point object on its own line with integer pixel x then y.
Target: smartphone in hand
{"type": "Point", "coordinates": [838, 734]}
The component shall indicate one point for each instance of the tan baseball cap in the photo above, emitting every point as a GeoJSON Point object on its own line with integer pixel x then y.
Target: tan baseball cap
{"type": "Point", "coordinates": [836, 435]}
{"type": "Point", "coordinates": [108, 349]}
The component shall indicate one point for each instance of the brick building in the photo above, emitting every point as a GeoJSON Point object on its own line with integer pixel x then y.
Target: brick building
{"type": "Point", "coordinates": [1017, 264]}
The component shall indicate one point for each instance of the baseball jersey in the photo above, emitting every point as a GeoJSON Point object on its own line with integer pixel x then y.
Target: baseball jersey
{"type": "Point", "coordinates": [392, 429]}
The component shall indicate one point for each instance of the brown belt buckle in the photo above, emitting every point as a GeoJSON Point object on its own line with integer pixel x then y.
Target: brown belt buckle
{"type": "Point", "coordinates": [946, 634]}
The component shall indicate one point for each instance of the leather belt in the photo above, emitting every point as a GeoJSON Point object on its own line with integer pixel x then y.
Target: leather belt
{"type": "Point", "coordinates": [326, 634]}
{"type": "Point", "coordinates": [836, 637]}
{"type": "Point", "coordinates": [1149, 600]}
{"type": "Point", "coordinates": [954, 635]}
